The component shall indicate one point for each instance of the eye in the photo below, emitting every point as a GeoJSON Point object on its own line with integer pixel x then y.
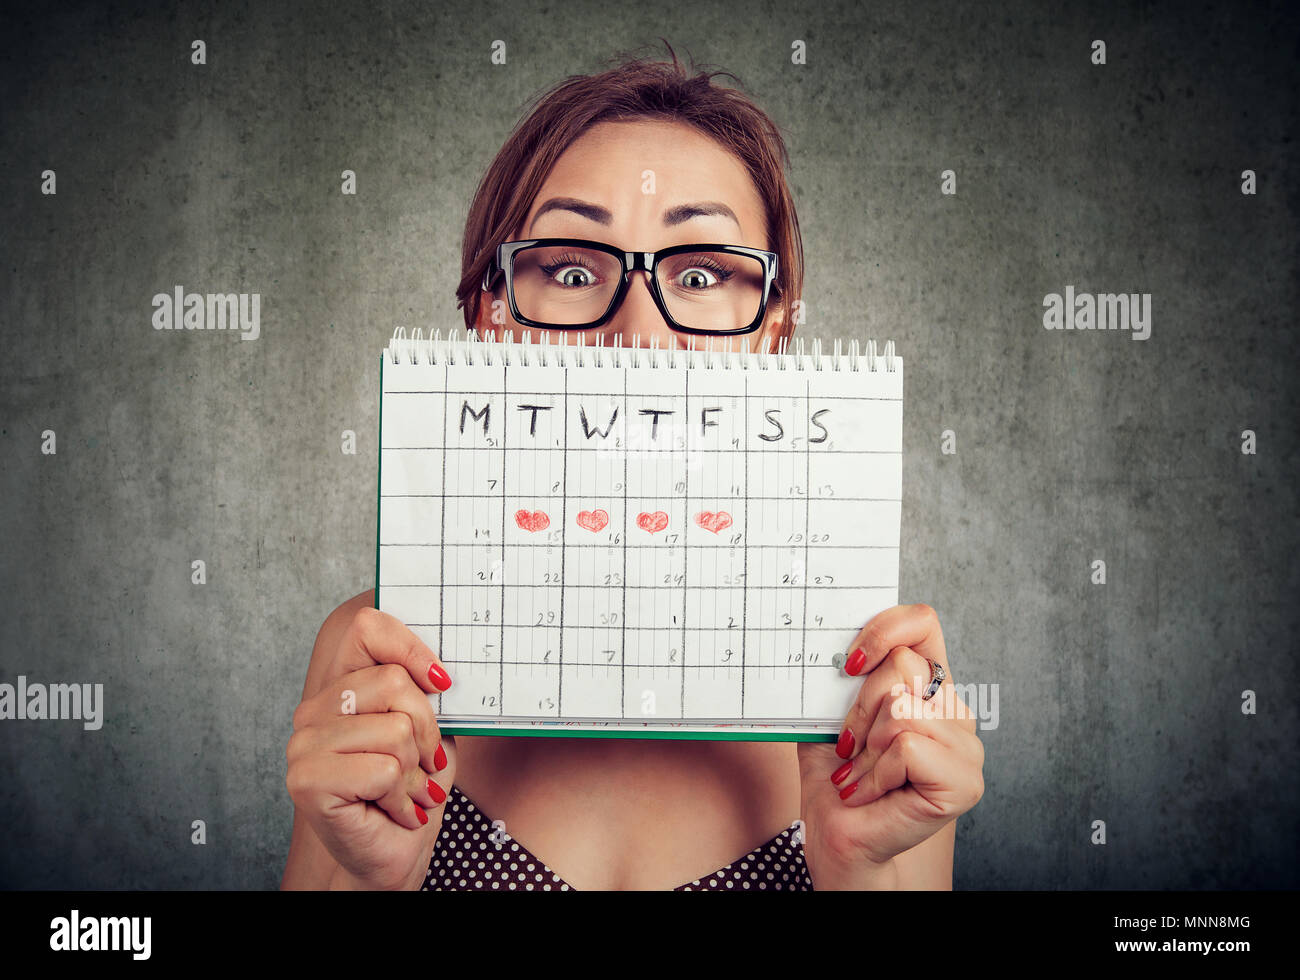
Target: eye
{"type": "Point", "coordinates": [574, 275]}
{"type": "Point", "coordinates": [573, 272]}
{"type": "Point", "coordinates": [701, 272]}
{"type": "Point", "coordinates": [697, 278]}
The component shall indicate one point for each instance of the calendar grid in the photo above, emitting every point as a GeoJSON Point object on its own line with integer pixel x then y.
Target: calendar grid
{"type": "Point", "coordinates": [679, 490]}
{"type": "Point", "coordinates": [595, 626]}
{"type": "Point", "coordinates": [501, 679]}
{"type": "Point", "coordinates": [564, 503]}
{"type": "Point", "coordinates": [493, 496]}
{"type": "Point", "coordinates": [744, 545]}
{"type": "Point", "coordinates": [665, 452]}
{"type": "Point", "coordinates": [605, 547]}
{"type": "Point", "coordinates": [807, 528]}
{"type": "Point", "coordinates": [442, 525]}
{"type": "Point", "coordinates": [686, 518]}
{"type": "Point", "coordinates": [697, 586]}
{"type": "Point", "coordinates": [622, 686]}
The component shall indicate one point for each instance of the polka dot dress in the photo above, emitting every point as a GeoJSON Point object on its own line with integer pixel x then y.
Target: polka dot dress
{"type": "Point", "coordinates": [473, 855]}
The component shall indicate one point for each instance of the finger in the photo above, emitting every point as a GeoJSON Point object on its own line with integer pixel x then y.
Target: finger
{"type": "Point", "coordinates": [900, 669]}
{"type": "Point", "coordinates": [397, 803]}
{"type": "Point", "coordinates": [945, 785]}
{"type": "Point", "coordinates": [424, 790]}
{"type": "Point", "coordinates": [902, 709]}
{"type": "Point", "coordinates": [375, 637]}
{"type": "Point", "coordinates": [915, 626]}
{"type": "Point", "coordinates": [388, 732]}
{"type": "Point", "coordinates": [384, 687]}
{"type": "Point", "coordinates": [336, 782]}
{"type": "Point", "coordinates": [435, 786]}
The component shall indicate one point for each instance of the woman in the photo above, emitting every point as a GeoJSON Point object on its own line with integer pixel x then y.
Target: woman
{"type": "Point", "coordinates": [640, 157]}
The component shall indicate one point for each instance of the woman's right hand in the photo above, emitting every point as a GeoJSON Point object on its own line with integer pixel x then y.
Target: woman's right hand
{"type": "Point", "coordinates": [367, 765]}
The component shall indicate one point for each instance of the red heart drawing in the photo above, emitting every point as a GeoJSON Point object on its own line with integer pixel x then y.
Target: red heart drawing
{"type": "Point", "coordinates": [713, 522]}
{"type": "Point", "coordinates": [592, 520]}
{"type": "Point", "coordinates": [535, 520]}
{"type": "Point", "coordinates": [652, 522]}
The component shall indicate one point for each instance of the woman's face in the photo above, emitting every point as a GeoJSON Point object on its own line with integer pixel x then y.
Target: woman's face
{"type": "Point", "coordinates": [599, 190]}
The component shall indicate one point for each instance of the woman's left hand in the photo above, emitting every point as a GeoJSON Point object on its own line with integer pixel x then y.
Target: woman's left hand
{"type": "Point", "coordinates": [903, 769]}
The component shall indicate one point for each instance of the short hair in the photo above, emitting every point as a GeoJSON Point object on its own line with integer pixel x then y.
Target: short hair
{"type": "Point", "coordinates": [636, 89]}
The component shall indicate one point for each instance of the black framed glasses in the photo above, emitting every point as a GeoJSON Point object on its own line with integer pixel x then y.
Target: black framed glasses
{"type": "Point", "coordinates": [576, 284]}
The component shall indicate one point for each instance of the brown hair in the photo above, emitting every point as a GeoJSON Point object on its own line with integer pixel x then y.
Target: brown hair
{"type": "Point", "coordinates": [638, 88]}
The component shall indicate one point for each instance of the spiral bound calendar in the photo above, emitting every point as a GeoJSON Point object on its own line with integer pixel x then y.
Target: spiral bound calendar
{"type": "Point", "coordinates": [639, 542]}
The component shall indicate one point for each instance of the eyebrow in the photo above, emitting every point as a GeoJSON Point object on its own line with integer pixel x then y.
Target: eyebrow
{"type": "Point", "coordinates": [673, 216]}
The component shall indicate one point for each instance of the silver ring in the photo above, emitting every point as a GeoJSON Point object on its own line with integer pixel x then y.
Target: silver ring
{"type": "Point", "coordinates": [937, 676]}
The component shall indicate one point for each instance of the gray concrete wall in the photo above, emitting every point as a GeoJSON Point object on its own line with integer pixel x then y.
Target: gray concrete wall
{"type": "Point", "coordinates": [1119, 702]}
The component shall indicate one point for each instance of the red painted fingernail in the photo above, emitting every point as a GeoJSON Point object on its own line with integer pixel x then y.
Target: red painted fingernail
{"type": "Point", "coordinates": [420, 814]}
{"type": "Point", "coordinates": [436, 791]}
{"type": "Point", "coordinates": [440, 759]}
{"type": "Point", "coordinates": [847, 791]}
{"type": "Point", "coordinates": [854, 664]}
{"type": "Point", "coordinates": [844, 747]}
{"type": "Point", "coordinates": [439, 677]}
{"type": "Point", "coordinates": [838, 775]}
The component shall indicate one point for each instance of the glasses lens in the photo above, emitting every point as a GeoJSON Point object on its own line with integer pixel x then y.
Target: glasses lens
{"type": "Point", "coordinates": [714, 291]}
{"type": "Point", "coordinates": [571, 285]}
{"type": "Point", "coordinates": [565, 285]}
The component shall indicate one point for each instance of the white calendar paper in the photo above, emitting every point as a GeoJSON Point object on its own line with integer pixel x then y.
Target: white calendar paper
{"type": "Point", "coordinates": [644, 543]}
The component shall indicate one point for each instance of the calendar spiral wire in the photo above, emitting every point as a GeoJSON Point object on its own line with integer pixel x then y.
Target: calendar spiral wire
{"type": "Point", "coordinates": [700, 353]}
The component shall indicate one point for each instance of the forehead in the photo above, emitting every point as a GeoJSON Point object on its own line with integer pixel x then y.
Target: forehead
{"type": "Point", "coordinates": [608, 166]}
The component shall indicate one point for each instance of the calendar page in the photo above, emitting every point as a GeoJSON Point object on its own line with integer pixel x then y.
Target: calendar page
{"type": "Point", "coordinates": [639, 543]}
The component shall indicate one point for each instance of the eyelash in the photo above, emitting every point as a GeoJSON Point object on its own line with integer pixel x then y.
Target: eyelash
{"type": "Point", "coordinates": [565, 261]}
{"type": "Point", "coordinates": [714, 266]}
